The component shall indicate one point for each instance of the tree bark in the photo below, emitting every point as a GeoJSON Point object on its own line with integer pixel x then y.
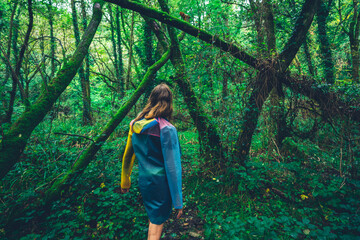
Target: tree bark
{"type": "Point", "coordinates": [269, 27]}
{"type": "Point", "coordinates": [260, 92]}
{"type": "Point", "coordinates": [14, 140]}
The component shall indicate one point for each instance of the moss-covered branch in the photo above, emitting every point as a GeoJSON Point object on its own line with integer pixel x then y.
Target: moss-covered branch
{"type": "Point", "coordinates": [55, 190]}
{"type": "Point", "coordinates": [164, 17]}
{"type": "Point", "coordinates": [14, 141]}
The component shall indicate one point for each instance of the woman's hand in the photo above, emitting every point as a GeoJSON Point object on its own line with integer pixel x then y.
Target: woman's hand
{"type": "Point", "coordinates": [179, 213]}
{"type": "Point", "coordinates": [124, 190]}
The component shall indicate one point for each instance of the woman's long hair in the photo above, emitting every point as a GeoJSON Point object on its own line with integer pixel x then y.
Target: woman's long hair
{"type": "Point", "coordinates": [159, 104]}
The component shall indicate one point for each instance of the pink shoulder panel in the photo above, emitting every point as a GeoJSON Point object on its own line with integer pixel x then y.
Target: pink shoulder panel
{"type": "Point", "coordinates": [163, 123]}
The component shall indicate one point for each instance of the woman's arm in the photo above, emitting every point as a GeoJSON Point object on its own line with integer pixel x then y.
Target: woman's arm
{"type": "Point", "coordinates": [171, 151]}
{"type": "Point", "coordinates": [127, 164]}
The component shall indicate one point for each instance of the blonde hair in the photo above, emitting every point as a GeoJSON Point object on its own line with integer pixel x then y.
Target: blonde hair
{"type": "Point", "coordinates": [159, 104]}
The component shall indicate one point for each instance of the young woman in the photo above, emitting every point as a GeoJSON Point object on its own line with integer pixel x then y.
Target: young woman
{"type": "Point", "coordinates": [154, 142]}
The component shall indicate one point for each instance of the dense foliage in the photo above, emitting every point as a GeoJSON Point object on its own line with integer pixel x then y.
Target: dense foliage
{"type": "Point", "coordinates": [270, 150]}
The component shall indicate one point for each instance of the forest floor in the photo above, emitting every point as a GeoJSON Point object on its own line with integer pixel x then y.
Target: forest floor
{"type": "Point", "coordinates": [241, 203]}
{"type": "Point", "coordinates": [189, 226]}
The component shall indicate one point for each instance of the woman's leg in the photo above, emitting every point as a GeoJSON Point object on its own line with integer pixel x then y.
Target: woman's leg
{"type": "Point", "coordinates": [155, 231]}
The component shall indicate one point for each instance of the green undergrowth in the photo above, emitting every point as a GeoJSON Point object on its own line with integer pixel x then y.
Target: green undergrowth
{"type": "Point", "coordinates": [294, 194]}
{"type": "Point", "coordinates": [285, 199]}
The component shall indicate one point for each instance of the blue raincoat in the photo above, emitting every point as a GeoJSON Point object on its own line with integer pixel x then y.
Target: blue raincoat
{"type": "Point", "coordinates": [156, 146]}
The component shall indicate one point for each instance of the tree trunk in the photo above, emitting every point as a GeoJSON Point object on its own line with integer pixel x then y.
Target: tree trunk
{"type": "Point", "coordinates": [85, 87]}
{"type": "Point", "coordinates": [8, 113]}
{"type": "Point", "coordinates": [298, 36]}
{"type": "Point", "coordinates": [353, 34]}
{"type": "Point", "coordinates": [14, 140]}
{"type": "Point", "coordinates": [116, 62]}
{"type": "Point", "coordinates": [131, 40]}
{"type": "Point", "coordinates": [257, 16]}
{"type": "Point", "coordinates": [208, 136]}
{"type": "Point", "coordinates": [308, 58]}
{"type": "Point", "coordinates": [354, 47]}
{"type": "Point", "coordinates": [120, 55]}
{"type": "Point", "coordinates": [326, 56]}
{"type": "Point", "coordinates": [52, 39]}
{"type": "Point", "coordinates": [148, 52]}
{"type": "Point", "coordinates": [269, 27]}
{"type": "Point", "coordinates": [88, 118]}
{"type": "Point", "coordinates": [261, 90]}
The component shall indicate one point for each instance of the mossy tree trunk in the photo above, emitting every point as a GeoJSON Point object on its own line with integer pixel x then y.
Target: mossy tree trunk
{"type": "Point", "coordinates": [209, 138]}
{"type": "Point", "coordinates": [15, 139]}
{"type": "Point", "coordinates": [84, 82]}
{"type": "Point", "coordinates": [325, 49]}
{"type": "Point", "coordinates": [258, 18]}
{"type": "Point", "coordinates": [88, 119]}
{"type": "Point", "coordinates": [308, 58]}
{"type": "Point", "coordinates": [276, 97]}
{"type": "Point", "coordinates": [131, 43]}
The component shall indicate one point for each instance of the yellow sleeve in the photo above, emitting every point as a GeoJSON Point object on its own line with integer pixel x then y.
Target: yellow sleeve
{"type": "Point", "coordinates": [127, 163]}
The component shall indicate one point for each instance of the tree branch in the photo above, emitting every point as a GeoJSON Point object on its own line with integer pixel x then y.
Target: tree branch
{"type": "Point", "coordinates": [188, 28]}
